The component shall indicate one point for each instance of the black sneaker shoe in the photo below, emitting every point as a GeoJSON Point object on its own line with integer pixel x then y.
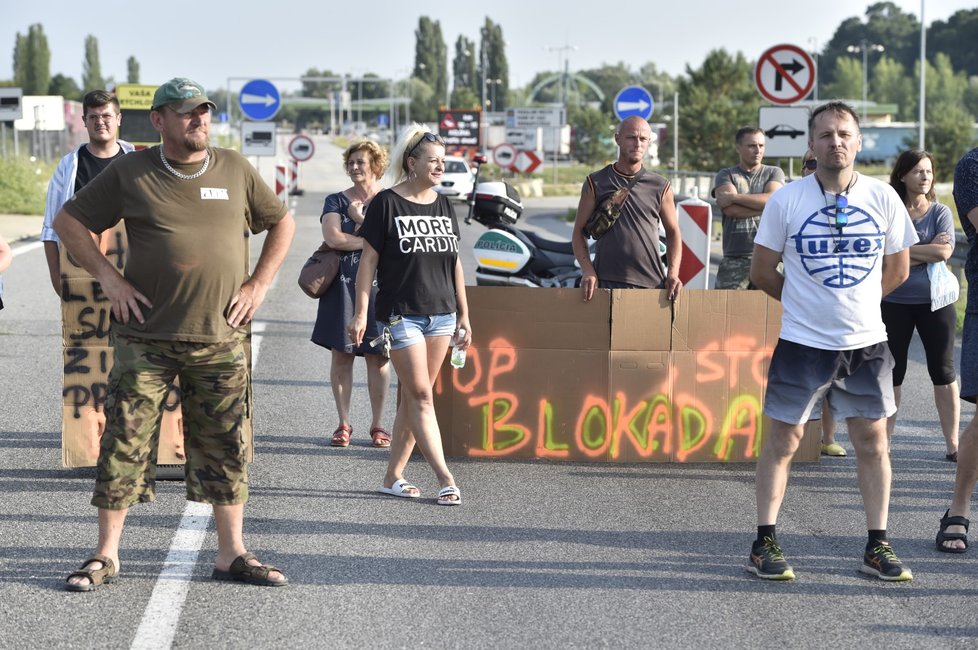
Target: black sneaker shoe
{"type": "Point", "coordinates": [767, 561]}
{"type": "Point", "coordinates": [880, 561]}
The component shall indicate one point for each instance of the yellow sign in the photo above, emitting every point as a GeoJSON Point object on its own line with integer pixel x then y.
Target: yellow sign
{"type": "Point", "coordinates": [135, 96]}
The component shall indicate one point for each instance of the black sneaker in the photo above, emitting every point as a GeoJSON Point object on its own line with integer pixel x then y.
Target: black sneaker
{"type": "Point", "coordinates": [880, 561]}
{"type": "Point", "coordinates": [767, 561]}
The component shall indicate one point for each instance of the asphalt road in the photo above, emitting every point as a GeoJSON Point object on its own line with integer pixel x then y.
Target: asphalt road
{"type": "Point", "coordinates": [541, 554]}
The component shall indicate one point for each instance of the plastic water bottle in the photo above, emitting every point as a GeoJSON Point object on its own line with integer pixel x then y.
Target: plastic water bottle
{"type": "Point", "coordinates": [458, 354]}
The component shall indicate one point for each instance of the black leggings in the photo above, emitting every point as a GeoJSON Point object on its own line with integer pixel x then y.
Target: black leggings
{"type": "Point", "coordinates": [936, 329]}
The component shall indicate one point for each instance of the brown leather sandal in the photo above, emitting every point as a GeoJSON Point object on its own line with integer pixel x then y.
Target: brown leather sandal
{"type": "Point", "coordinates": [252, 574]}
{"type": "Point", "coordinates": [380, 438]}
{"type": "Point", "coordinates": [96, 577]}
{"type": "Point", "coordinates": [341, 437]}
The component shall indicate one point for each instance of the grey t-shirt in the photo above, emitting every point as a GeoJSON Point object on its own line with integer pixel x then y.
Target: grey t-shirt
{"type": "Point", "coordinates": [738, 234]}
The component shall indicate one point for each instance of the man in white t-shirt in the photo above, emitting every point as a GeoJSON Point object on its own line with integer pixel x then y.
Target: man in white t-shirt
{"type": "Point", "coordinates": [843, 239]}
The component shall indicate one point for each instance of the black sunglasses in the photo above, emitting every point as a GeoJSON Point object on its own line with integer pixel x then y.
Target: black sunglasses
{"type": "Point", "coordinates": [811, 164]}
{"type": "Point", "coordinates": [427, 136]}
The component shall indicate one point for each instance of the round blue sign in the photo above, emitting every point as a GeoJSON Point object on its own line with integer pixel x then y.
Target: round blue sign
{"type": "Point", "coordinates": [259, 100]}
{"type": "Point", "coordinates": [633, 100]}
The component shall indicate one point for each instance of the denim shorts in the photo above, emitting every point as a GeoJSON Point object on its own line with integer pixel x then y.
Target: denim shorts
{"type": "Point", "coordinates": [406, 331]}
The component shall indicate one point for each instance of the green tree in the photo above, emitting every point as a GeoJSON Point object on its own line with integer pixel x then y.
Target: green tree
{"type": "Point", "coordinates": [949, 131]}
{"type": "Point", "coordinates": [956, 38]}
{"type": "Point", "coordinates": [313, 84]}
{"type": "Point", "coordinates": [91, 68]}
{"type": "Point", "coordinates": [66, 87]}
{"type": "Point", "coordinates": [424, 103]}
{"type": "Point", "coordinates": [887, 25]}
{"type": "Point", "coordinates": [132, 70]}
{"type": "Point", "coordinates": [593, 132]}
{"type": "Point", "coordinates": [890, 84]}
{"type": "Point", "coordinates": [430, 61]}
{"type": "Point", "coordinates": [463, 72]}
{"type": "Point", "coordinates": [493, 67]}
{"type": "Point", "coordinates": [714, 101]}
{"type": "Point", "coordinates": [847, 80]}
{"type": "Point", "coordinates": [32, 61]}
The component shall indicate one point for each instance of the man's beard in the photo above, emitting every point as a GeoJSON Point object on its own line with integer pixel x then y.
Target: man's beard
{"type": "Point", "coordinates": [195, 144]}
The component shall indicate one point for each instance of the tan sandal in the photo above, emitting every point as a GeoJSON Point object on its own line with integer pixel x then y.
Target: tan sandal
{"type": "Point", "coordinates": [95, 577]}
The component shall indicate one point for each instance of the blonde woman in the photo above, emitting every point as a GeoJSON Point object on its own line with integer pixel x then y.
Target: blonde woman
{"type": "Point", "coordinates": [343, 214]}
{"type": "Point", "coordinates": [411, 240]}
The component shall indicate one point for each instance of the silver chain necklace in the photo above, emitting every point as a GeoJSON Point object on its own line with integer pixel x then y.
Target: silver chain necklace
{"type": "Point", "coordinates": [186, 177]}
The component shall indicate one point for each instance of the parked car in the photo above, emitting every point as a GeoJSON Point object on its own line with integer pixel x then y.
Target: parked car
{"type": "Point", "coordinates": [457, 179]}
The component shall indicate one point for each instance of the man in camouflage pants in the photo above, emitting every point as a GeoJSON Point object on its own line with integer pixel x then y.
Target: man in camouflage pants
{"type": "Point", "coordinates": [180, 310]}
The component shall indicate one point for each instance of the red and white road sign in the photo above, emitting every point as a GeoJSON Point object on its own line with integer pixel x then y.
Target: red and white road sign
{"type": "Point", "coordinates": [526, 162]}
{"type": "Point", "coordinates": [504, 155]}
{"type": "Point", "coordinates": [293, 174]}
{"type": "Point", "coordinates": [302, 148]}
{"type": "Point", "coordinates": [281, 183]}
{"type": "Point", "coordinates": [695, 222]}
{"type": "Point", "coordinates": [784, 74]}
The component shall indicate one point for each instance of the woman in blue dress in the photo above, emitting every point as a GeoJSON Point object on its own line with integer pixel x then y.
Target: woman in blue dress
{"type": "Point", "coordinates": [342, 216]}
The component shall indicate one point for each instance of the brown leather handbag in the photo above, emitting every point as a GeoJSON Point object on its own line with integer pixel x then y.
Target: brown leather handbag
{"type": "Point", "coordinates": [319, 271]}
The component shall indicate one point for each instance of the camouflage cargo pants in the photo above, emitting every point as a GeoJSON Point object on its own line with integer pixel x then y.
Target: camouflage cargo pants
{"type": "Point", "coordinates": [734, 273]}
{"type": "Point", "coordinates": [214, 399]}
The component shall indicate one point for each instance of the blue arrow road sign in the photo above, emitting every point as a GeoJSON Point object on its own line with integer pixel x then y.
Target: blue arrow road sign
{"type": "Point", "coordinates": [633, 100]}
{"type": "Point", "coordinates": [259, 100]}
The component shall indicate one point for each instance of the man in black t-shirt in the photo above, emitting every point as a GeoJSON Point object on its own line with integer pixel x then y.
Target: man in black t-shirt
{"type": "Point", "coordinates": [102, 119]}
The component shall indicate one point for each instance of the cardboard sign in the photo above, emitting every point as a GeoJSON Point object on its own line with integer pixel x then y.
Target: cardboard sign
{"type": "Point", "coordinates": [621, 378]}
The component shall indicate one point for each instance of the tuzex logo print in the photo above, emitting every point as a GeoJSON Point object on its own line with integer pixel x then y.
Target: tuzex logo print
{"type": "Point", "coordinates": [839, 258]}
{"type": "Point", "coordinates": [426, 234]}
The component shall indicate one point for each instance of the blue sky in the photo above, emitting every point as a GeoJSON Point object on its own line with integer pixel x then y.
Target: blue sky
{"type": "Point", "coordinates": [213, 42]}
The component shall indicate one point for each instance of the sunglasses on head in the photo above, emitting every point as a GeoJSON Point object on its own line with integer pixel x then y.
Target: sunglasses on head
{"type": "Point", "coordinates": [427, 136]}
{"type": "Point", "coordinates": [811, 164]}
{"type": "Point", "coordinates": [841, 218]}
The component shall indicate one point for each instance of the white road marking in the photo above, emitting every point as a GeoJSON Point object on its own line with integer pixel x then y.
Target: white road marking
{"type": "Point", "coordinates": [26, 248]}
{"type": "Point", "coordinates": [158, 626]}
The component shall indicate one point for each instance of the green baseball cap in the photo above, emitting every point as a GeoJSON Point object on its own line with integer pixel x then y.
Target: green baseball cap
{"type": "Point", "coordinates": [182, 95]}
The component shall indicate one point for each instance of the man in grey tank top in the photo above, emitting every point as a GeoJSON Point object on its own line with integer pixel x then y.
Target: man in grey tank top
{"type": "Point", "coordinates": [741, 192]}
{"type": "Point", "coordinates": [627, 256]}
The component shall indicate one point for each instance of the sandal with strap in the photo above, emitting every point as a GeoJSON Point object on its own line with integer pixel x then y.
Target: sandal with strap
{"type": "Point", "coordinates": [341, 437]}
{"type": "Point", "coordinates": [96, 577]}
{"type": "Point", "coordinates": [380, 438]}
{"type": "Point", "coordinates": [449, 495]}
{"type": "Point", "coordinates": [252, 574]}
{"type": "Point", "coordinates": [944, 536]}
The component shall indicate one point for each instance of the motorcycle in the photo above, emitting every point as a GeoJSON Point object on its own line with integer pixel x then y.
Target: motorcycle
{"type": "Point", "coordinates": [508, 256]}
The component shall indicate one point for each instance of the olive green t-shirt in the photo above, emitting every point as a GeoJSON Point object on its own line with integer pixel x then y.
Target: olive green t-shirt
{"type": "Point", "coordinates": [187, 238]}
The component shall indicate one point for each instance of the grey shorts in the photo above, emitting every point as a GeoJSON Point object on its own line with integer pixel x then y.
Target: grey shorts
{"type": "Point", "coordinates": [858, 383]}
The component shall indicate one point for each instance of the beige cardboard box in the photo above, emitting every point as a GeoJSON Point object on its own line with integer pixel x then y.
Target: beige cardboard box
{"type": "Point", "coordinates": [626, 377]}
{"type": "Point", "coordinates": [112, 243]}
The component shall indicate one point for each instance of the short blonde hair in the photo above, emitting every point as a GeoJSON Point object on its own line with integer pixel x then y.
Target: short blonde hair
{"type": "Point", "coordinates": [378, 156]}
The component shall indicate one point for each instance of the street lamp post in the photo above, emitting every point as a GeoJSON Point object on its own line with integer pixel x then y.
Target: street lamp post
{"type": "Point", "coordinates": [865, 48]}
